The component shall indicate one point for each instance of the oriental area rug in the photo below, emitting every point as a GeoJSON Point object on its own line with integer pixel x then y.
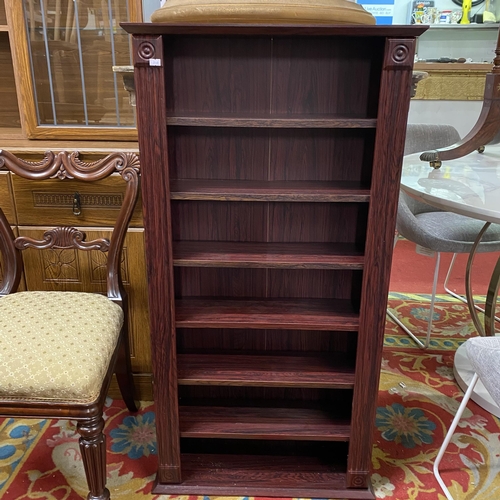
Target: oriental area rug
{"type": "Point", "coordinates": [40, 459]}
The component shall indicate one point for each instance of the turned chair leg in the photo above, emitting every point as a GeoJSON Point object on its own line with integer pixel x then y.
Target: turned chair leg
{"type": "Point", "coordinates": [93, 448]}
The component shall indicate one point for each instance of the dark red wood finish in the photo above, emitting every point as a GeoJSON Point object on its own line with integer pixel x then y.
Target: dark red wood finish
{"type": "Point", "coordinates": [271, 158]}
{"type": "Point", "coordinates": [394, 102]}
{"type": "Point", "coordinates": [151, 106]}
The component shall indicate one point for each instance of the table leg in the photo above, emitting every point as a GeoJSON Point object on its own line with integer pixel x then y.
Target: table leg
{"type": "Point", "coordinates": [468, 285]}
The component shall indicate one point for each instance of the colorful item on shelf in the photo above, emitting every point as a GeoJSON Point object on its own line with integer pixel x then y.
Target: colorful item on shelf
{"type": "Point", "coordinates": [466, 7]}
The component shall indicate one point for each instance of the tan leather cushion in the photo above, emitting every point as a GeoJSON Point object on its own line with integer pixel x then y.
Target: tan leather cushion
{"type": "Point", "coordinates": [56, 345]}
{"type": "Point", "coordinates": [263, 12]}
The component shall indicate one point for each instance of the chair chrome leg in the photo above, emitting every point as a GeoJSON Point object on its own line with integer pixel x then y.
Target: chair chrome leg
{"type": "Point", "coordinates": [422, 345]}
{"type": "Point", "coordinates": [456, 295]}
{"type": "Point", "coordinates": [449, 435]}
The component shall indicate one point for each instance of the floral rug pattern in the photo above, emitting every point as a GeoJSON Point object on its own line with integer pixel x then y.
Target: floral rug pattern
{"type": "Point", "coordinates": [418, 397]}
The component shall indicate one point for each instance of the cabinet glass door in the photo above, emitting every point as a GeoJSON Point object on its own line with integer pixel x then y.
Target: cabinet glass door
{"type": "Point", "coordinates": [73, 46]}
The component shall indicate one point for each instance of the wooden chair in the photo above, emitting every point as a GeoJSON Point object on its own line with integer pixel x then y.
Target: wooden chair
{"type": "Point", "coordinates": [487, 128]}
{"type": "Point", "coordinates": [59, 350]}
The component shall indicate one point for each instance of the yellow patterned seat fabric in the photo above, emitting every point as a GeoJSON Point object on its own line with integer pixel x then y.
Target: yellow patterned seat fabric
{"type": "Point", "coordinates": [56, 345]}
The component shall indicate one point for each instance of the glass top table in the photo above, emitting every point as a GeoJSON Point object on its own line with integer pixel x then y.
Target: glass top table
{"type": "Point", "coordinates": [468, 186]}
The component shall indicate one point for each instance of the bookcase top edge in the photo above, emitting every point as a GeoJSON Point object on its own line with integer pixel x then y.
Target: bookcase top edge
{"type": "Point", "coordinates": [391, 31]}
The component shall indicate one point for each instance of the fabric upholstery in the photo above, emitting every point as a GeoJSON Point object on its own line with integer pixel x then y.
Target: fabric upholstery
{"type": "Point", "coordinates": [262, 11]}
{"type": "Point", "coordinates": [425, 136]}
{"type": "Point", "coordinates": [484, 356]}
{"type": "Point", "coordinates": [56, 345]}
{"type": "Point", "coordinates": [428, 226]}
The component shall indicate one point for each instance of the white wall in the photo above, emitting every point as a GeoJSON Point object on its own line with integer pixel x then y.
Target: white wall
{"type": "Point", "coordinates": [461, 114]}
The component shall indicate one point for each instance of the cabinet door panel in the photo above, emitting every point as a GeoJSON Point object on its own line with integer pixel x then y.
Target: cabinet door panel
{"type": "Point", "coordinates": [69, 270]}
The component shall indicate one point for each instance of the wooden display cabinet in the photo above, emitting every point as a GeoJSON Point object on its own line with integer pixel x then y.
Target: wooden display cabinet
{"type": "Point", "coordinates": [271, 160]}
{"type": "Point", "coordinates": [56, 76]}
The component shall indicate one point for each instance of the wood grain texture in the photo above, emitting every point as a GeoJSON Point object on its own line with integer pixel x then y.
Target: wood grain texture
{"type": "Point", "coordinates": [3, 17]}
{"type": "Point", "coordinates": [9, 112]}
{"type": "Point", "coordinates": [263, 475]}
{"type": "Point", "coordinates": [214, 76]}
{"type": "Point", "coordinates": [267, 255]}
{"type": "Point", "coordinates": [6, 198]}
{"type": "Point", "coordinates": [313, 155]}
{"type": "Point", "coordinates": [21, 65]}
{"type": "Point", "coordinates": [153, 144]}
{"type": "Point", "coordinates": [40, 203]}
{"type": "Point", "coordinates": [234, 121]}
{"type": "Point", "coordinates": [263, 423]}
{"type": "Point", "coordinates": [318, 371]}
{"type": "Point", "coordinates": [270, 201]}
{"type": "Point", "coordinates": [26, 148]}
{"type": "Point", "coordinates": [314, 314]}
{"type": "Point", "coordinates": [308, 78]}
{"type": "Point", "coordinates": [309, 191]}
{"type": "Point", "coordinates": [393, 110]}
{"type": "Point", "coordinates": [294, 222]}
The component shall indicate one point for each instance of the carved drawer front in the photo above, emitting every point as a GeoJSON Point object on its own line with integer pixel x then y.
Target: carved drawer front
{"type": "Point", "coordinates": [56, 201]}
{"type": "Point", "coordinates": [72, 270]}
{"type": "Point", "coordinates": [6, 198]}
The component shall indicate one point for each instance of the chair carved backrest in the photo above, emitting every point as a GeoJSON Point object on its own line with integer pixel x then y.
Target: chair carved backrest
{"type": "Point", "coordinates": [65, 165]}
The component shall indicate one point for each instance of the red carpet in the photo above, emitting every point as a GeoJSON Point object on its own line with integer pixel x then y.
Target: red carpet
{"type": "Point", "coordinates": [413, 273]}
{"type": "Point", "coordinates": [418, 397]}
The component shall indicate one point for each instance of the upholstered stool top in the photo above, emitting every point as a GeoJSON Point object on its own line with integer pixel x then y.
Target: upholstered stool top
{"type": "Point", "coordinates": [56, 345]}
{"type": "Point", "coordinates": [263, 12]}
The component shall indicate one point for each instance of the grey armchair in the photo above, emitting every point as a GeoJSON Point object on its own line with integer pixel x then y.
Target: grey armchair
{"type": "Point", "coordinates": [434, 229]}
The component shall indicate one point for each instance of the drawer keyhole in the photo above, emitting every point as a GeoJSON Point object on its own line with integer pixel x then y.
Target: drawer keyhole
{"type": "Point", "coordinates": [77, 204]}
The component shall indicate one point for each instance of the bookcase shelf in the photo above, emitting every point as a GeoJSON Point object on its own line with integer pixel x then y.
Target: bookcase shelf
{"type": "Point", "coordinates": [267, 255]}
{"type": "Point", "coordinates": [317, 370]}
{"type": "Point", "coordinates": [236, 190]}
{"type": "Point", "coordinates": [271, 167]}
{"type": "Point", "coordinates": [262, 423]}
{"type": "Point", "coordinates": [272, 122]}
{"type": "Point", "coordinates": [316, 314]}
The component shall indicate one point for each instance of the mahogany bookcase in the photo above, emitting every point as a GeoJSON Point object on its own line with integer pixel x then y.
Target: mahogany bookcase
{"type": "Point", "coordinates": [271, 160]}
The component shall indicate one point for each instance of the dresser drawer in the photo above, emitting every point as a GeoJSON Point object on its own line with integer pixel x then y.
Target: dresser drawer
{"type": "Point", "coordinates": [6, 199]}
{"type": "Point", "coordinates": [51, 201]}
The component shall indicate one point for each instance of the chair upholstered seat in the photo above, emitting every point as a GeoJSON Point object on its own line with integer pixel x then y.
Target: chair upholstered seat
{"type": "Point", "coordinates": [434, 229]}
{"type": "Point", "coordinates": [451, 232]}
{"type": "Point", "coordinates": [56, 345]}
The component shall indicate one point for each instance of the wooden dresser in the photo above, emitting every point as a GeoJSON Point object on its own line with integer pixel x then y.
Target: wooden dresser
{"type": "Point", "coordinates": [271, 161]}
